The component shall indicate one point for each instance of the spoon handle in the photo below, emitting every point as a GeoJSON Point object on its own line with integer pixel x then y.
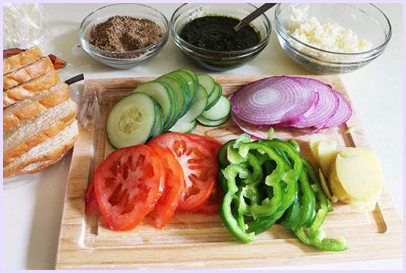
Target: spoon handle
{"type": "Point", "coordinates": [253, 15]}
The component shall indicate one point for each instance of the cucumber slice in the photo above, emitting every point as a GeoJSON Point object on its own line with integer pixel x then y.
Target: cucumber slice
{"type": "Point", "coordinates": [185, 127]}
{"type": "Point", "coordinates": [215, 96]}
{"type": "Point", "coordinates": [161, 94]}
{"type": "Point", "coordinates": [194, 111]}
{"type": "Point", "coordinates": [184, 86]}
{"type": "Point", "coordinates": [191, 82]}
{"type": "Point", "coordinates": [208, 83]}
{"type": "Point", "coordinates": [211, 123]}
{"type": "Point", "coordinates": [180, 98]}
{"type": "Point", "coordinates": [219, 111]}
{"type": "Point", "coordinates": [159, 122]}
{"type": "Point", "coordinates": [131, 120]}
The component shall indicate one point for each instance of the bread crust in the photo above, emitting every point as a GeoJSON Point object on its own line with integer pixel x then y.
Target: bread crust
{"type": "Point", "coordinates": [17, 61]}
{"type": "Point", "coordinates": [41, 167]}
{"type": "Point", "coordinates": [50, 158]}
{"type": "Point", "coordinates": [36, 107]}
{"type": "Point", "coordinates": [30, 89]}
{"type": "Point", "coordinates": [10, 155]}
{"type": "Point", "coordinates": [27, 73]}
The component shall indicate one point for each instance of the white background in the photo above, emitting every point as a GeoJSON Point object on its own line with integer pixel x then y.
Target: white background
{"type": "Point", "coordinates": [32, 212]}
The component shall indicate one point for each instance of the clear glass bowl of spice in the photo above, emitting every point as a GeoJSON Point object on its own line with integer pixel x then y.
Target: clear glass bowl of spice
{"type": "Point", "coordinates": [123, 35]}
{"type": "Point", "coordinates": [205, 34]}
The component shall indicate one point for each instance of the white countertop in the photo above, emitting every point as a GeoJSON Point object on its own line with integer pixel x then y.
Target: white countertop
{"type": "Point", "coordinates": [32, 212]}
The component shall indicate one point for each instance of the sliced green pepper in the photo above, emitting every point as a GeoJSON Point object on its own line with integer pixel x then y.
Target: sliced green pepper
{"type": "Point", "coordinates": [290, 178]}
{"type": "Point", "coordinates": [307, 201]}
{"type": "Point", "coordinates": [318, 241]}
{"type": "Point", "coordinates": [229, 207]}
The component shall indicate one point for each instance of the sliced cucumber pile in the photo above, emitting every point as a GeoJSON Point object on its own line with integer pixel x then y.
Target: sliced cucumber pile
{"type": "Point", "coordinates": [176, 101]}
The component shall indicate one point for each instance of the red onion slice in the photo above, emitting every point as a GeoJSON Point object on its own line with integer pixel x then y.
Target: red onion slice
{"type": "Point", "coordinates": [326, 107]}
{"type": "Point", "coordinates": [278, 100]}
{"type": "Point", "coordinates": [252, 130]}
{"type": "Point", "coordinates": [342, 114]}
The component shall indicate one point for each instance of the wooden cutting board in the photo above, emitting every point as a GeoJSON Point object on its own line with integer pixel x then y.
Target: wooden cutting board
{"type": "Point", "coordinates": [194, 241]}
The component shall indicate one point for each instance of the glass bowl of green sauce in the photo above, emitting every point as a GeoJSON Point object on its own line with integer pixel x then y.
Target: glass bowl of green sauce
{"type": "Point", "coordinates": [205, 34]}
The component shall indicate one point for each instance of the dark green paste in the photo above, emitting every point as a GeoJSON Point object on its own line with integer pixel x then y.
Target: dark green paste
{"type": "Point", "coordinates": [216, 33]}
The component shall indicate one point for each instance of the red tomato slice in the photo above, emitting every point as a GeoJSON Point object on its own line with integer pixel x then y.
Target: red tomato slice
{"type": "Point", "coordinates": [128, 184]}
{"type": "Point", "coordinates": [211, 206]}
{"type": "Point", "coordinates": [173, 189]}
{"type": "Point", "coordinates": [203, 138]}
{"type": "Point", "coordinates": [91, 208]}
{"type": "Point", "coordinates": [199, 164]}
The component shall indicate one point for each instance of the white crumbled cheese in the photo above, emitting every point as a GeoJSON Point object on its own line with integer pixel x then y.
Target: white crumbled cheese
{"type": "Point", "coordinates": [329, 36]}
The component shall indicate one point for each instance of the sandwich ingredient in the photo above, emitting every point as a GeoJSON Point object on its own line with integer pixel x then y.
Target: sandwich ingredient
{"type": "Point", "coordinates": [282, 101]}
{"type": "Point", "coordinates": [354, 174]}
{"type": "Point", "coordinates": [124, 33]}
{"type": "Point", "coordinates": [198, 159]}
{"type": "Point", "coordinates": [217, 33]}
{"type": "Point", "coordinates": [266, 182]}
{"type": "Point", "coordinates": [175, 102]}
{"type": "Point", "coordinates": [329, 36]}
{"type": "Point", "coordinates": [39, 117]}
{"type": "Point", "coordinates": [174, 187]}
{"type": "Point", "coordinates": [173, 171]}
{"type": "Point", "coordinates": [127, 185]}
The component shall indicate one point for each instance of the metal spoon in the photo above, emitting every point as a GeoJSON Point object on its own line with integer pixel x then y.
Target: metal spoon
{"type": "Point", "coordinates": [251, 17]}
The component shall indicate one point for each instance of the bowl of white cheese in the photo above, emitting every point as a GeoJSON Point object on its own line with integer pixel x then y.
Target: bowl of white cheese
{"type": "Point", "coordinates": [332, 38]}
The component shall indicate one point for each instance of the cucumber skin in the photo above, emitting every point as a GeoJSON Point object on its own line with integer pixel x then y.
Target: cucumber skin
{"type": "Point", "coordinates": [218, 94]}
{"type": "Point", "coordinates": [203, 115]}
{"type": "Point", "coordinates": [221, 122]}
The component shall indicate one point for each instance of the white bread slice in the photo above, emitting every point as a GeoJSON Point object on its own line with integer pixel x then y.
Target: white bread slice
{"type": "Point", "coordinates": [27, 73]}
{"type": "Point", "coordinates": [30, 89]}
{"type": "Point", "coordinates": [32, 107]}
{"type": "Point", "coordinates": [44, 154]}
{"type": "Point", "coordinates": [26, 135]}
{"type": "Point", "coordinates": [17, 61]}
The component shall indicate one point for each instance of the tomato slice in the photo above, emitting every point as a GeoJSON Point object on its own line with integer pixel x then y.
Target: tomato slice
{"type": "Point", "coordinates": [199, 164]}
{"type": "Point", "coordinates": [173, 188]}
{"type": "Point", "coordinates": [128, 184]}
{"type": "Point", "coordinates": [211, 206]}
{"type": "Point", "coordinates": [204, 138]}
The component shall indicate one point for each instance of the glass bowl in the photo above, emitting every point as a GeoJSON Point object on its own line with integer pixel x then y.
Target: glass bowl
{"type": "Point", "coordinates": [218, 60]}
{"type": "Point", "coordinates": [129, 59]}
{"type": "Point", "coordinates": [366, 20]}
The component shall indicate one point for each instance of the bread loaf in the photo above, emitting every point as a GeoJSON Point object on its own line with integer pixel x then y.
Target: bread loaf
{"type": "Point", "coordinates": [17, 61]}
{"type": "Point", "coordinates": [45, 153]}
{"type": "Point", "coordinates": [32, 107]}
{"type": "Point", "coordinates": [30, 89]}
{"type": "Point", "coordinates": [39, 118]}
{"type": "Point", "coordinates": [27, 73]}
{"type": "Point", "coordinates": [26, 135]}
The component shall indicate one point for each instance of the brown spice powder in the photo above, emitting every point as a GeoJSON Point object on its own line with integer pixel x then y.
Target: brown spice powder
{"type": "Point", "coordinates": [124, 33]}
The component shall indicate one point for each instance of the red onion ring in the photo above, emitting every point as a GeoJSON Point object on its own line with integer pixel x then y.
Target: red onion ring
{"type": "Point", "coordinates": [278, 100]}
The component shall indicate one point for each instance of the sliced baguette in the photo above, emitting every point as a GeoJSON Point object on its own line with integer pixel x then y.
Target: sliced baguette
{"type": "Point", "coordinates": [26, 135]}
{"type": "Point", "coordinates": [44, 154]}
{"type": "Point", "coordinates": [24, 58]}
{"type": "Point", "coordinates": [32, 107]}
{"type": "Point", "coordinates": [30, 89]}
{"type": "Point", "coordinates": [38, 166]}
{"type": "Point", "coordinates": [27, 73]}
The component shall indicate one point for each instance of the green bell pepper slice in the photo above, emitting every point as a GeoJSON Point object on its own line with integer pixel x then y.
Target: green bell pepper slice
{"type": "Point", "coordinates": [232, 219]}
